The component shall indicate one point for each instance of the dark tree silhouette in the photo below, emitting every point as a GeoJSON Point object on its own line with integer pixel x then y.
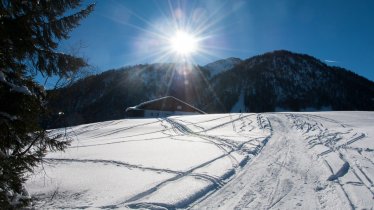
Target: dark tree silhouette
{"type": "Point", "coordinates": [30, 32]}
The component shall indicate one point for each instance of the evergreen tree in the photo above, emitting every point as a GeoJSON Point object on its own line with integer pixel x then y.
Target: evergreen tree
{"type": "Point", "coordinates": [30, 32]}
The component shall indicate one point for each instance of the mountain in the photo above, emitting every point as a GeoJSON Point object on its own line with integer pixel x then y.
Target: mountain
{"type": "Point", "coordinates": [275, 81]}
{"type": "Point", "coordinates": [282, 80]}
{"type": "Point", "coordinates": [106, 96]}
{"type": "Point", "coordinates": [222, 65]}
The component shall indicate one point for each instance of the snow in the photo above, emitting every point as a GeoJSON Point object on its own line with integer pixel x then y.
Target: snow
{"type": "Point", "coordinates": [189, 151]}
{"type": "Point", "coordinates": [239, 106]}
{"type": "Point", "coordinates": [10, 117]}
{"type": "Point", "coordinates": [20, 89]}
{"type": "Point", "coordinates": [71, 184]}
{"type": "Point", "coordinates": [313, 160]}
{"type": "Point", "coordinates": [294, 171]}
{"type": "Point", "coordinates": [223, 65]}
{"type": "Point", "coordinates": [2, 77]}
{"type": "Point", "coordinates": [178, 194]}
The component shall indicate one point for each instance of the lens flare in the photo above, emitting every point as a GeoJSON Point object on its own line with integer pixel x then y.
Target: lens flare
{"type": "Point", "coordinates": [183, 43]}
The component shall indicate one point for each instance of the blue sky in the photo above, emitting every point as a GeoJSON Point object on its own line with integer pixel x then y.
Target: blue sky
{"type": "Point", "coordinates": [128, 32]}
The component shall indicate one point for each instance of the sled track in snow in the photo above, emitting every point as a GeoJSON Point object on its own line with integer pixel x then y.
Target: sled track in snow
{"type": "Point", "coordinates": [258, 177]}
{"type": "Point", "coordinates": [217, 182]}
{"type": "Point", "coordinates": [159, 120]}
{"type": "Point", "coordinates": [329, 139]}
{"type": "Point", "coordinates": [141, 125]}
{"type": "Point", "coordinates": [273, 200]}
{"type": "Point", "coordinates": [113, 162]}
{"type": "Point", "coordinates": [226, 145]}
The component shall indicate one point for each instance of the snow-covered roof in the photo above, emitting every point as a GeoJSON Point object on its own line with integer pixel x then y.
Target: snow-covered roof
{"type": "Point", "coordinates": [143, 106]}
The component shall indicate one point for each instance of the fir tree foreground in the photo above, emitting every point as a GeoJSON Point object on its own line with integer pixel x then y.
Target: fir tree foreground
{"type": "Point", "coordinates": [30, 32]}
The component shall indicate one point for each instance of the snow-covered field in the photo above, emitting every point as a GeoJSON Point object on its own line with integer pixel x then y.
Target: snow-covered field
{"type": "Point", "coordinates": [316, 160]}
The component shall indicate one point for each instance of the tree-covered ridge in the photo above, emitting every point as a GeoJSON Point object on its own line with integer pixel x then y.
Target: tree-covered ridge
{"type": "Point", "coordinates": [105, 96]}
{"type": "Point", "coordinates": [279, 80]}
{"type": "Point", "coordinates": [295, 82]}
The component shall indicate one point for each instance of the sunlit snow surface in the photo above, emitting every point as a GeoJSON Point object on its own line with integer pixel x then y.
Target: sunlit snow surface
{"type": "Point", "coordinates": [225, 161]}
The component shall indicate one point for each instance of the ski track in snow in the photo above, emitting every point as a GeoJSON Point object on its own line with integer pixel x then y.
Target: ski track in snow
{"type": "Point", "coordinates": [278, 161]}
{"type": "Point", "coordinates": [273, 185]}
{"type": "Point", "coordinates": [221, 143]}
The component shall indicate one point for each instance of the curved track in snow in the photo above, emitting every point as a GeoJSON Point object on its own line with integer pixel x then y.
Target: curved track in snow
{"type": "Point", "coordinates": [235, 161]}
{"type": "Point", "coordinates": [291, 173]}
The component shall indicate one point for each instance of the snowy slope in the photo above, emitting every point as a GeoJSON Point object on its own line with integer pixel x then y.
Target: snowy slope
{"type": "Point", "coordinates": [226, 161]}
{"type": "Point", "coordinates": [222, 65]}
{"type": "Point", "coordinates": [239, 106]}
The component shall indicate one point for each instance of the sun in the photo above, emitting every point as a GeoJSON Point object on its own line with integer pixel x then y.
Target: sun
{"type": "Point", "coordinates": [183, 43]}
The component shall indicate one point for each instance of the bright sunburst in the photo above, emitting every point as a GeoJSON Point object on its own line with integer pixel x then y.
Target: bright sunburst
{"type": "Point", "coordinates": [183, 43]}
{"type": "Point", "coordinates": [183, 33]}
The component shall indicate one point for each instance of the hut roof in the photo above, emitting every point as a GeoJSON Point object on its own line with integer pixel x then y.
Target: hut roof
{"type": "Point", "coordinates": [167, 103]}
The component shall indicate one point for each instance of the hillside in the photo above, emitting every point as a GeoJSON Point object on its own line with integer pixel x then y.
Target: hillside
{"type": "Point", "coordinates": [283, 80]}
{"type": "Point", "coordinates": [217, 67]}
{"type": "Point", "coordinates": [223, 161]}
{"type": "Point", "coordinates": [107, 95]}
{"type": "Point", "coordinates": [275, 81]}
